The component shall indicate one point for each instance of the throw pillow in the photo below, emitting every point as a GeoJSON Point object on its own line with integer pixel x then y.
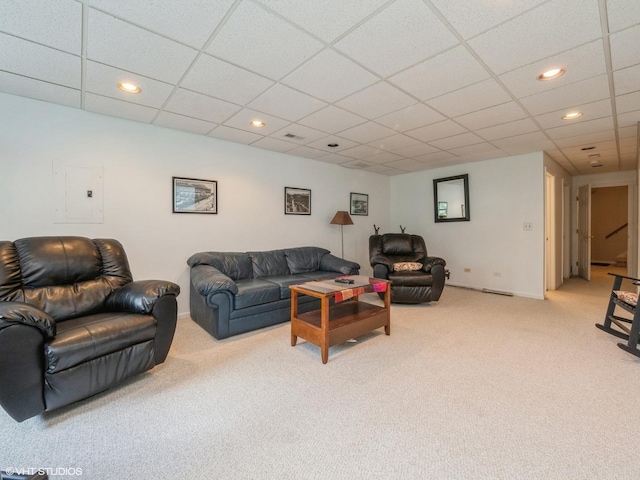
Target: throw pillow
{"type": "Point", "coordinates": [407, 266]}
{"type": "Point", "coordinates": [627, 297]}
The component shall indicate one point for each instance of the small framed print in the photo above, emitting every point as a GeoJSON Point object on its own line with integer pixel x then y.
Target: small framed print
{"type": "Point", "coordinates": [297, 201]}
{"type": "Point", "coordinates": [359, 204]}
{"type": "Point", "coordinates": [193, 195]}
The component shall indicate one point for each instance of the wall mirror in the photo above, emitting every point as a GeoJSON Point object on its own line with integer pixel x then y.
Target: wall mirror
{"type": "Point", "coordinates": [451, 199]}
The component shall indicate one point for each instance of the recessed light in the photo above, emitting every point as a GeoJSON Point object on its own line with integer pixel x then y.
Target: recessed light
{"type": "Point", "coordinates": [257, 123]}
{"type": "Point", "coordinates": [551, 74]}
{"type": "Point", "coordinates": [572, 116]}
{"type": "Point", "coordinates": [332, 145]}
{"type": "Point", "coordinates": [587, 148]}
{"type": "Point", "coordinates": [129, 87]}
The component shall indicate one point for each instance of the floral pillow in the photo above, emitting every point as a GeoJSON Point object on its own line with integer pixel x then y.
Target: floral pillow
{"type": "Point", "coordinates": [407, 266]}
{"type": "Point", "coordinates": [627, 297]}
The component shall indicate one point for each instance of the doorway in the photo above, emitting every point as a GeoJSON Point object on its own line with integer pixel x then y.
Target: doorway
{"type": "Point", "coordinates": [609, 226]}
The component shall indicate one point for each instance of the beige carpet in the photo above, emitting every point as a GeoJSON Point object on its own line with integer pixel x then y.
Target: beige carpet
{"type": "Point", "coordinates": [477, 386]}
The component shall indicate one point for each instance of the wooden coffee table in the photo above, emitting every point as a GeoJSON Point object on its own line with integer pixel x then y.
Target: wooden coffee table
{"type": "Point", "coordinates": [335, 324]}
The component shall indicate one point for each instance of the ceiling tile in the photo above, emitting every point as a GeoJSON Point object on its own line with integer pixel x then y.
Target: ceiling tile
{"type": "Point", "coordinates": [586, 91]}
{"type": "Point", "coordinates": [383, 157]}
{"type": "Point", "coordinates": [626, 80]}
{"type": "Point", "coordinates": [436, 131]}
{"type": "Point", "coordinates": [406, 164]}
{"type": "Point", "coordinates": [367, 132]}
{"type": "Point", "coordinates": [470, 18]}
{"type": "Point", "coordinates": [244, 117]}
{"type": "Point", "coordinates": [55, 24]}
{"type": "Point", "coordinates": [581, 128]}
{"type": "Point", "coordinates": [234, 135]}
{"type": "Point", "coordinates": [580, 63]}
{"type": "Point", "coordinates": [529, 142]}
{"type": "Point", "coordinates": [307, 152]}
{"type": "Point", "coordinates": [444, 73]}
{"type": "Point", "coordinates": [361, 151]}
{"type": "Point", "coordinates": [357, 164]}
{"type": "Point", "coordinates": [586, 140]}
{"type": "Point", "coordinates": [509, 46]}
{"type": "Point", "coordinates": [394, 142]}
{"type": "Point", "coordinates": [332, 120]}
{"type": "Point", "coordinates": [104, 81]}
{"type": "Point", "coordinates": [435, 157]}
{"type": "Point", "coordinates": [188, 21]}
{"type": "Point", "coordinates": [624, 51]}
{"type": "Point", "coordinates": [622, 14]}
{"type": "Point", "coordinates": [416, 150]}
{"type": "Point", "coordinates": [48, 92]}
{"type": "Point", "coordinates": [180, 122]}
{"type": "Point", "coordinates": [329, 76]}
{"type": "Point", "coordinates": [326, 19]}
{"type": "Point", "coordinates": [513, 128]}
{"type": "Point", "coordinates": [223, 80]}
{"type": "Point", "coordinates": [457, 141]}
{"type": "Point", "coordinates": [412, 117]}
{"type": "Point", "coordinates": [274, 144]}
{"type": "Point", "coordinates": [118, 108]}
{"type": "Point", "coordinates": [384, 170]}
{"type": "Point", "coordinates": [303, 135]}
{"type": "Point", "coordinates": [377, 100]}
{"type": "Point", "coordinates": [110, 41]}
{"type": "Point", "coordinates": [505, 113]}
{"type": "Point", "coordinates": [287, 103]}
{"type": "Point", "coordinates": [396, 38]}
{"type": "Point", "coordinates": [38, 62]}
{"type": "Point", "coordinates": [470, 99]}
{"type": "Point", "coordinates": [629, 118]}
{"type": "Point", "coordinates": [335, 159]}
{"type": "Point", "coordinates": [280, 47]}
{"type": "Point", "coordinates": [479, 151]}
{"type": "Point", "coordinates": [589, 111]}
{"type": "Point", "coordinates": [200, 106]}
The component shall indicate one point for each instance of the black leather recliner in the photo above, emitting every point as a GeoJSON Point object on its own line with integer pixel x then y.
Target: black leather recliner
{"type": "Point", "coordinates": [417, 286]}
{"type": "Point", "coordinates": [73, 323]}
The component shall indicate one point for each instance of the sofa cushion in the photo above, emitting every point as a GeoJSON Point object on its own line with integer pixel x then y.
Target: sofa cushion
{"type": "Point", "coordinates": [419, 278]}
{"type": "Point", "coordinates": [82, 339]}
{"type": "Point", "coordinates": [304, 259]}
{"type": "Point", "coordinates": [285, 281]}
{"type": "Point", "coordinates": [266, 264]}
{"type": "Point", "coordinates": [255, 291]}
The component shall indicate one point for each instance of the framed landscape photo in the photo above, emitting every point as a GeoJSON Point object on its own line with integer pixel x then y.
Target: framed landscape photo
{"type": "Point", "coordinates": [297, 201]}
{"type": "Point", "coordinates": [359, 204]}
{"type": "Point", "coordinates": [193, 195]}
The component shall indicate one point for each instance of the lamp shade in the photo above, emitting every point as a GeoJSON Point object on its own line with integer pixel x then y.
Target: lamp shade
{"type": "Point", "coordinates": [341, 218]}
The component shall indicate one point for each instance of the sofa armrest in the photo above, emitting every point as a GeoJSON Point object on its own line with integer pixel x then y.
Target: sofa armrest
{"type": "Point", "coordinates": [208, 280]}
{"type": "Point", "coordinates": [140, 296]}
{"type": "Point", "coordinates": [12, 313]}
{"type": "Point", "coordinates": [331, 263]}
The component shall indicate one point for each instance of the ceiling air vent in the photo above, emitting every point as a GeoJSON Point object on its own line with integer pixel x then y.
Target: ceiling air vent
{"type": "Point", "coordinates": [292, 135]}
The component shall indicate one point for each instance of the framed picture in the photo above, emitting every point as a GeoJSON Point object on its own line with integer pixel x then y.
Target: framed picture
{"type": "Point", "coordinates": [192, 195]}
{"type": "Point", "coordinates": [443, 210]}
{"type": "Point", "coordinates": [359, 204]}
{"type": "Point", "coordinates": [297, 201]}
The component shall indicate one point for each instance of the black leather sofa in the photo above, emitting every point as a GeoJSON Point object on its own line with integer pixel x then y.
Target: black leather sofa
{"type": "Point", "coordinates": [233, 293]}
{"type": "Point", "coordinates": [73, 322]}
{"type": "Point", "coordinates": [414, 286]}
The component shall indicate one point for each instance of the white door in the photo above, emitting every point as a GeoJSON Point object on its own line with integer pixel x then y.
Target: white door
{"type": "Point", "coordinates": [584, 232]}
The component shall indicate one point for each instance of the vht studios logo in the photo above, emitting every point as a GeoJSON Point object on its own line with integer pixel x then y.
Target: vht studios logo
{"type": "Point", "coordinates": [51, 471]}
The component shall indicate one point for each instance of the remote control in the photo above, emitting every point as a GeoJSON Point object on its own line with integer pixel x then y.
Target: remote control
{"type": "Point", "coordinates": [344, 280]}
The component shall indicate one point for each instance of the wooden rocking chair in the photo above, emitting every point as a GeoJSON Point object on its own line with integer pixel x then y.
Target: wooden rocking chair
{"type": "Point", "coordinates": [624, 300]}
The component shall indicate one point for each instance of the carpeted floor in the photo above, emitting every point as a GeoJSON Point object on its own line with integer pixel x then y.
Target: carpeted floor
{"type": "Point", "coordinates": [476, 386]}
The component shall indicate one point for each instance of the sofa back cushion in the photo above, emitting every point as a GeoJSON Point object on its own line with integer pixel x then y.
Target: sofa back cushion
{"type": "Point", "coordinates": [66, 277]}
{"type": "Point", "coordinates": [269, 264]}
{"type": "Point", "coordinates": [304, 259]}
{"type": "Point", "coordinates": [235, 265]}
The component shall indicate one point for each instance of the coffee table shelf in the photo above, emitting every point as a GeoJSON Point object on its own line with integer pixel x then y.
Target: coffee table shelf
{"type": "Point", "coordinates": [335, 324]}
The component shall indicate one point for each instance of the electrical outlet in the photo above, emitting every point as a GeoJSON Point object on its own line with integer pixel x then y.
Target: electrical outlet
{"type": "Point", "coordinates": [467, 270]}
{"type": "Point", "coordinates": [497, 274]}
{"type": "Point", "coordinates": [527, 226]}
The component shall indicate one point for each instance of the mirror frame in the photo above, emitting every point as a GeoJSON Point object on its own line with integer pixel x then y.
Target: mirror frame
{"type": "Point", "coordinates": [436, 201]}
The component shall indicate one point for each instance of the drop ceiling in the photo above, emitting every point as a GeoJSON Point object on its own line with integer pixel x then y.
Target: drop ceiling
{"type": "Point", "coordinates": [399, 85]}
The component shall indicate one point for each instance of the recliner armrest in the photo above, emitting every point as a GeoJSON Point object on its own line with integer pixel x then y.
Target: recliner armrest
{"type": "Point", "coordinates": [429, 262]}
{"type": "Point", "coordinates": [12, 313]}
{"type": "Point", "coordinates": [140, 296]}
{"type": "Point", "coordinates": [331, 263]}
{"type": "Point", "coordinates": [382, 260]}
{"type": "Point", "coordinates": [207, 280]}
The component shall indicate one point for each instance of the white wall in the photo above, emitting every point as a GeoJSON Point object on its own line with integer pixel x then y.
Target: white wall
{"type": "Point", "coordinates": [139, 161]}
{"type": "Point", "coordinates": [504, 194]}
